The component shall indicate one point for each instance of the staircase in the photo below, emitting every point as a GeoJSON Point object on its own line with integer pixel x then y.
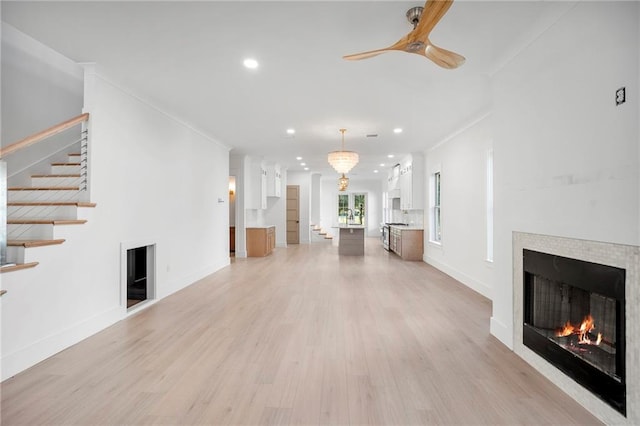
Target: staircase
{"type": "Point", "coordinates": [320, 234]}
{"type": "Point", "coordinates": [35, 213]}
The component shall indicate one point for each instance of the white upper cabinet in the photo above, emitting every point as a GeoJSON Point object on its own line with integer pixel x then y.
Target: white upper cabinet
{"type": "Point", "coordinates": [392, 180]}
{"type": "Point", "coordinates": [263, 188]}
{"type": "Point", "coordinates": [411, 182]}
{"type": "Point", "coordinates": [274, 180]}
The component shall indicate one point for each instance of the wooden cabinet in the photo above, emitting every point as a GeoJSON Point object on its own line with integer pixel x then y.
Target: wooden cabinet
{"type": "Point", "coordinates": [351, 242]}
{"type": "Point", "coordinates": [406, 243]}
{"type": "Point", "coordinates": [232, 239]}
{"type": "Point", "coordinates": [261, 241]}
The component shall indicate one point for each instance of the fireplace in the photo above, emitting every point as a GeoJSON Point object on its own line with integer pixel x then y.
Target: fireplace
{"type": "Point", "coordinates": [574, 317]}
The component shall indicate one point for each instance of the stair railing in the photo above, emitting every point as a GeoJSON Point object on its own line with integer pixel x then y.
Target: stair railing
{"type": "Point", "coordinates": [38, 137]}
{"type": "Point", "coordinates": [3, 212]}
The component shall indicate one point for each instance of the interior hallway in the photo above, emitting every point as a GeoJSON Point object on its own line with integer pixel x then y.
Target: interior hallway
{"type": "Point", "coordinates": [300, 337]}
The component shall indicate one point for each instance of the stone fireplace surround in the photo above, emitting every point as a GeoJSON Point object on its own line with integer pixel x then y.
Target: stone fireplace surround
{"type": "Point", "coordinates": [618, 255]}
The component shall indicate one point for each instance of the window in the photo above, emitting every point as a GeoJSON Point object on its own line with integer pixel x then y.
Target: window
{"type": "Point", "coordinates": [352, 208]}
{"type": "Point", "coordinates": [489, 201]}
{"type": "Point", "coordinates": [436, 223]}
{"type": "Point", "coordinates": [343, 208]}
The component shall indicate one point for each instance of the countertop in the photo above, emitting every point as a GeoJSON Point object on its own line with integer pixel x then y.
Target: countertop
{"type": "Point", "coordinates": [408, 227]}
{"type": "Point", "coordinates": [261, 226]}
{"type": "Point", "coordinates": [349, 226]}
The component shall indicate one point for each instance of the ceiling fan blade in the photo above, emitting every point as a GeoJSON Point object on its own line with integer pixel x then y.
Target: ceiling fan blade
{"type": "Point", "coordinates": [417, 41]}
{"type": "Point", "coordinates": [443, 57]}
{"type": "Point", "coordinates": [399, 45]}
{"type": "Point", "coordinates": [365, 55]}
{"type": "Point", "coordinates": [433, 11]}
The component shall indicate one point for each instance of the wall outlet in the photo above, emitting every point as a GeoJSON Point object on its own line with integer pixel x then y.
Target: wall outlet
{"type": "Point", "coordinates": [620, 96]}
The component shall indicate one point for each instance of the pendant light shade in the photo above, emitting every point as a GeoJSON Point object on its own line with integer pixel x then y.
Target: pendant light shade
{"type": "Point", "coordinates": [343, 161]}
{"type": "Point", "coordinates": [343, 183]}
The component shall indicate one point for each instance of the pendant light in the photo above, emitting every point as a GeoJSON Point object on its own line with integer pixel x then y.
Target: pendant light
{"type": "Point", "coordinates": [343, 161]}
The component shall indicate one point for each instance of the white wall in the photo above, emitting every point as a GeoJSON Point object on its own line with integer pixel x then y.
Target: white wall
{"type": "Point", "coordinates": [303, 179]}
{"type": "Point", "coordinates": [236, 168]}
{"type": "Point", "coordinates": [462, 253]}
{"type": "Point", "coordinates": [329, 203]}
{"type": "Point", "coordinates": [232, 200]}
{"type": "Point", "coordinates": [566, 158]}
{"type": "Point", "coordinates": [40, 88]}
{"type": "Point", "coordinates": [276, 213]}
{"type": "Point", "coordinates": [154, 179]}
{"type": "Point", "coordinates": [316, 195]}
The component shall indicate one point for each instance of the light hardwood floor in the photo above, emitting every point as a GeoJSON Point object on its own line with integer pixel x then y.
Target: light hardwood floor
{"type": "Point", "coordinates": [301, 337]}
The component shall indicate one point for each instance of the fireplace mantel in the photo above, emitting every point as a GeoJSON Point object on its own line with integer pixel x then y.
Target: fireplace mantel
{"type": "Point", "coordinates": [621, 256]}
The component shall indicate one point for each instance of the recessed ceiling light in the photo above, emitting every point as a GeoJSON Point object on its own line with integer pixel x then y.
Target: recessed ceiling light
{"type": "Point", "coordinates": [298, 158]}
{"type": "Point", "coordinates": [291, 131]}
{"type": "Point", "coordinates": [306, 168]}
{"type": "Point", "coordinates": [397, 130]}
{"type": "Point", "coordinates": [375, 171]}
{"type": "Point", "coordinates": [303, 164]}
{"type": "Point", "coordinates": [381, 164]}
{"type": "Point", "coordinates": [250, 63]}
{"type": "Point", "coordinates": [390, 156]}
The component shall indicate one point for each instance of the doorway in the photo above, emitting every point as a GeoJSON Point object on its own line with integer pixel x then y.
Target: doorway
{"type": "Point", "coordinates": [293, 214]}
{"type": "Point", "coordinates": [232, 215]}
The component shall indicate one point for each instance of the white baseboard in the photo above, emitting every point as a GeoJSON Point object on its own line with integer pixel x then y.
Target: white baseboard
{"type": "Point", "coordinates": [501, 332]}
{"type": "Point", "coordinates": [465, 279]}
{"type": "Point", "coordinates": [192, 278]}
{"type": "Point", "coordinates": [28, 356]}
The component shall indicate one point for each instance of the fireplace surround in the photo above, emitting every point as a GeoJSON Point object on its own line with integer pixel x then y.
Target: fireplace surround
{"type": "Point", "coordinates": [620, 256]}
{"type": "Point", "coordinates": [574, 318]}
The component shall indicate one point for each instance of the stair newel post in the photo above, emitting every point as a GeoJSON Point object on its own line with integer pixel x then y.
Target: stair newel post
{"type": "Point", "coordinates": [3, 212]}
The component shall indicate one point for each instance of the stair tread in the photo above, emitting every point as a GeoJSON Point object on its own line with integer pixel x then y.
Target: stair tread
{"type": "Point", "coordinates": [74, 175]}
{"type": "Point", "coordinates": [65, 164]}
{"type": "Point", "coordinates": [17, 267]}
{"type": "Point", "coordinates": [46, 221]}
{"type": "Point", "coordinates": [51, 203]}
{"type": "Point", "coordinates": [34, 243]}
{"type": "Point", "coordinates": [44, 188]}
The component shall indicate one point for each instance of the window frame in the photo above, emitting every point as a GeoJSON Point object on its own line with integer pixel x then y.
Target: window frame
{"type": "Point", "coordinates": [351, 197]}
{"type": "Point", "coordinates": [435, 211]}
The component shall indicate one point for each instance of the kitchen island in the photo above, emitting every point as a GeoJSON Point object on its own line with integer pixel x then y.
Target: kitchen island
{"type": "Point", "coordinates": [351, 240]}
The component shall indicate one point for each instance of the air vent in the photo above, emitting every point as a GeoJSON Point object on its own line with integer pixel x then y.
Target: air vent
{"type": "Point", "coordinates": [372, 135]}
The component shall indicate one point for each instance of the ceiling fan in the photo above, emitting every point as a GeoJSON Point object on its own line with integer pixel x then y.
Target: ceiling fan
{"type": "Point", "coordinates": [423, 19]}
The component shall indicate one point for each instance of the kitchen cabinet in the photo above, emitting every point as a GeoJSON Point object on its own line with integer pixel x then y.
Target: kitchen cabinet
{"type": "Point", "coordinates": [351, 241]}
{"type": "Point", "coordinates": [261, 241]}
{"type": "Point", "coordinates": [274, 180]}
{"type": "Point", "coordinates": [411, 182]}
{"type": "Point", "coordinates": [406, 243]}
{"type": "Point", "coordinates": [392, 180]}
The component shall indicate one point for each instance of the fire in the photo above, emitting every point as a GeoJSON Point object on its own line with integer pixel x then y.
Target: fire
{"type": "Point", "coordinates": [567, 330]}
{"type": "Point", "coordinates": [583, 331]}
